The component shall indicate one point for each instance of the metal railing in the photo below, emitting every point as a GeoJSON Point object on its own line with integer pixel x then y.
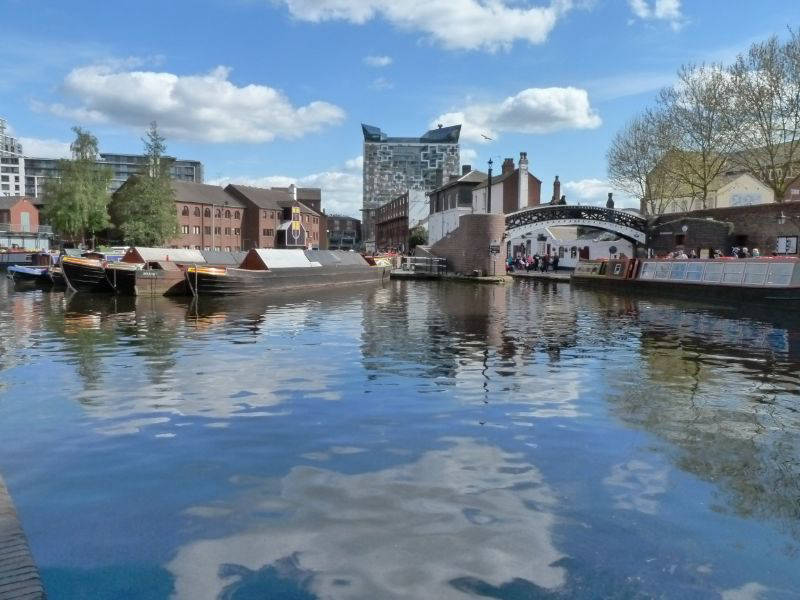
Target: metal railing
{"type": "Point", "coordinates": [424, 264]}
{"type": "Point", "coordinates": [14, 228]}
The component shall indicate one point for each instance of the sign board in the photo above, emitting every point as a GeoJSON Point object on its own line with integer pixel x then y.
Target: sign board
{"type": "Point", "coordinates": [786, 245]}
{"type": "Point", "coordinates": [494, 248]}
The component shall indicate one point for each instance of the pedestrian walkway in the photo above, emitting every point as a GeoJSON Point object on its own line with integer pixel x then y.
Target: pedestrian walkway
{"type": "Point", "coordinates": [547, 276]}
{"type": "Point", "coordinates": [19, 577]}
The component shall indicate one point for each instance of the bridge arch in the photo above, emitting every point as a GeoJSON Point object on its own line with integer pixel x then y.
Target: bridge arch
{"type": "Point", "coordinates": [627, 225]}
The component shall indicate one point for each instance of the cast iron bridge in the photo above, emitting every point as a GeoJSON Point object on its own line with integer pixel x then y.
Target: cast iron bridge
{"type": "Point", "coordinates": [627, 225]}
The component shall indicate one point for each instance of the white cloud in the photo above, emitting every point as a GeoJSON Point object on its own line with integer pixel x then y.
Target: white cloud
{"type": "Point", "coordinates": [341, 189]}
{"type": "Point", "coordinates": [533, 110]}
{"type": "Point", "coordinates": [378, 61]}
{"type": "Point", "coordinates": [356, 164]}
{"type": "Point", "coordinates": [455, 24]}
{"type": "Point", "coordinates": [628, 84]}
{"type": "Point", "coordinates": [381, 83]}
{"type": "Point", "coordinates": [469, 156]}
{"type": "Point", "coordinates": [206, 107]}
{"type": "Point", "coordinates": [47, 148]}
{"type": "Point", "coordinates": [659, 10]}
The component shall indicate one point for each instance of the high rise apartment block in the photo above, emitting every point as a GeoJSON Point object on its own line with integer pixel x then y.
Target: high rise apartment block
{"type": "Point", "coordinates": [12, 164]}
{"type": "Point", "coordinates": [395, 165]}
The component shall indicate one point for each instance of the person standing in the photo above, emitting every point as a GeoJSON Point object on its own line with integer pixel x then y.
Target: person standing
{"type": "Point", "coordinates": [545, 263]}
{"type": "Point", "coordinates": [555, 262]}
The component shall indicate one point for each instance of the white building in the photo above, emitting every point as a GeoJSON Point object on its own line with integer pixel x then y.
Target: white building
{"type": "Point", "coordinates": [12, 164]}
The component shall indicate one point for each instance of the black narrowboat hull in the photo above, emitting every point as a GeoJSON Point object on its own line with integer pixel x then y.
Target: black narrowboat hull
{"type": "Point", "coordinates": [56, 277]}
{"type": "Point", "coordinates": [147, 282]}
{"type": "Point", "coordinates": [204, 281]}
{"type": "Point", "coordinates": [86, 275]}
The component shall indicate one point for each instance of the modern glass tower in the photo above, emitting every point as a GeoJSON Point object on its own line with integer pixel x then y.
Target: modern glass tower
{"type": "Point", "coordinates": [394, 165]}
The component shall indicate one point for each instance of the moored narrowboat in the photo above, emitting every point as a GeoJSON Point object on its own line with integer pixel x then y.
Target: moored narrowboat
{"type": "Point", "coordinates": [273, 270]}
{"type": "Point", "coordinates": [25, 277]}
{"type": "Point", "coordinates": [760, 280]}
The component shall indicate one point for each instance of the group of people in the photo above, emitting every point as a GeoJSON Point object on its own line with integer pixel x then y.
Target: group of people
{"type": "Point", "coordinates": [532, 263]}
{"type": "Point", "coordinates": [736, 252]}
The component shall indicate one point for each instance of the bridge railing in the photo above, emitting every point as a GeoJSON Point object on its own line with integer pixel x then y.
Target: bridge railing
{"type": "Point", "coordinates": [565, 212]}
{"type": "Point", "coordinates": [424, 264]}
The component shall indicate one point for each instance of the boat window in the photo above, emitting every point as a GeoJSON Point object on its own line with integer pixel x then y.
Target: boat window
{"type": "Point", "coordinates": [755, 273]}
{"type": "Point", "coordinates": [694, 271]}
{"type": "Point", "coordinates": [733, 273]}
{"type": "Point", "coordinates": [713, 272]}
{"type": "Point", "coordinates": [648, 270]}
{"type": "Point", "coordinates": [663, 270]}
{"type": "Point", "coordinates": [780, 273]}
{"type": "Point", "coordinates": [678, 270]}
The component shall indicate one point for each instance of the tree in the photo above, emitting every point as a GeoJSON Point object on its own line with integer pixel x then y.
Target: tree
{"type": "Point", "coordinates": [76, 203]}
{"type": "Point", "coordinates": [418, 236]}
{"type": "Point", "coordinates": [634, 164]}
{"type": "Point", "coordinates": [143, 209]}
{"type": "Point", "coordinates": [766, 91]}
{"type": "Point", "coordinates": [694, 124]}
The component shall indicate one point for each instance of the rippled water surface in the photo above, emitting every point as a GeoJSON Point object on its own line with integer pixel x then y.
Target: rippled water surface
{"type": "Point", "coordinates": [411, 441]}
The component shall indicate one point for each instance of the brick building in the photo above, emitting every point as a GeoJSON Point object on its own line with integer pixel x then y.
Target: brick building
{"type": "Point", "coordinates": [395, 219]}
{"type": "Point", "coordinates": [19, 224]}
{"type": "Point", "coordinates": [344, 233]}
{"type": "Point", "coordinates": [208, 217]}
{"type": "Point", "coordinates": [769, 227]}
{"type": "Point", "coordinates": [513, 189]}
{"type": "Point", "coordinates": [270, 213]}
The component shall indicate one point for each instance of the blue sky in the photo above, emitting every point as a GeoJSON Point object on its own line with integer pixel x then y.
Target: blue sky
{"type": "Point", "coordinates": [271, 91]}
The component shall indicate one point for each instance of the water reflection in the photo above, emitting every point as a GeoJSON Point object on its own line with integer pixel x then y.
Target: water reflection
{"type": "Point", "coordinates": [410, 531]}
{"type": "Point", "coordinates": [407, 440]}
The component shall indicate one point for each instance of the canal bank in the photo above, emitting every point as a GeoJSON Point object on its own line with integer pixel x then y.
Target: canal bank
{"type": "Point", "coordinates": [19, 577]}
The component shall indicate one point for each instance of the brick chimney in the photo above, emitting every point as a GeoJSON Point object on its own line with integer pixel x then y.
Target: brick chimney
{"type": "Point", "coordinates": [465, 169]}
{"type": "Point", "coordinates": [508, 166]}
{"type": "Point", "coordinates": [522, 181]}
{"type": "Point", "coordinates": [556, 191]}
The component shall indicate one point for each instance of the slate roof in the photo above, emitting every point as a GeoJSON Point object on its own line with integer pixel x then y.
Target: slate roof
{"type": "Point", "coordinates": [201, 193]}
{"type": "Point", "coordinates": [272, 198]}
{"type": "Point", "coordinates": [6, 202]}
{"type": "Point", "coordinates": [471, 177]}
{"type": "Point", "coordinates": [503, 177]}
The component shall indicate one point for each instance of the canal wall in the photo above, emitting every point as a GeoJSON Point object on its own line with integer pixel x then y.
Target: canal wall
{"type": "Point", "coordinates": [19, 577]}
{"type": "Point", "coordinates": [466, 248]}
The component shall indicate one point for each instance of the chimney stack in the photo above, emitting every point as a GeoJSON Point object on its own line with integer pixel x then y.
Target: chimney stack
{"type": "Point", "coordinates": [508, 165]}
{"type": "Point", "coordinates": [293, 192]}
{"type": "Point", "coordinates": [465, 169]}
{"type": "Point", "coordinates": [522, 182]}
{"type": "Point", "coordinates": [556, 191]}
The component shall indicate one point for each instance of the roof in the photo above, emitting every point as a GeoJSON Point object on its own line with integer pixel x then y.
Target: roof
{"type": "Point", "coordinates": [471, 177]}
{"type": "Point", "coordinates": [201, 193]}
{"type": "Point", "coordinates": [503, 177]}
{"type": "Point", "coordinates": [216, 257]}
{"type": "Point", "coordinates": [166, 254]}
{"type": "Point", "coordinates": [440, 135]}
{"type": "Point", "coordinates": [6, 202]}
{"type": "Point", "coordinates": [271, 198]}
{"type": "Point", "coordinates": [282, 259]}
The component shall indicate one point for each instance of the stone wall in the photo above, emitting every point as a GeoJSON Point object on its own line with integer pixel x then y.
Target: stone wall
{"type": "Point", "coordinates": [467, 247]}
{"type": "Point", "coordinates": [752, 226]}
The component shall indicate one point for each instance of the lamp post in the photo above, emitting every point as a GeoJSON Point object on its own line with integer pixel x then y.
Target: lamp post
{"type": "Point", "coordinates": [489, 189]}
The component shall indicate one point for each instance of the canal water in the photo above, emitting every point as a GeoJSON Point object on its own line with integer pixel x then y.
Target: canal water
{"type": "Point", "coordinates": [416, 440]}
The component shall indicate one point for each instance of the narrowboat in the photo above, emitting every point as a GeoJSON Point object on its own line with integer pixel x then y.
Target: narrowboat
{"type": "Point", "coordinates": [759, 280]}
{"type": "Point", "coordinates": [85, 274]}
{"type": "Point", "coordinates": [25, 277]}
{"type": "Point", "coordinates": [273, 270]}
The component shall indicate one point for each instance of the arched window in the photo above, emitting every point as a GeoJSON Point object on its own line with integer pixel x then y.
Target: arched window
{"type": "Point", "coordinates": [236, 214]}
{"type": "Point", "coordinates": [227, 214]}
{"type": "Point", "coordinates": [185, 211]}
{"type": "Point", "coordinates": [196, 211]}
{"type": "Point", "coordinates": [218, 213]}
{"type": "Point", "coordinates": [207, 212]}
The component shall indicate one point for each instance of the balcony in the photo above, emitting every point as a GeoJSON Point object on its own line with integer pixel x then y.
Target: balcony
{"type": "Point", "coordinates": [16, 228]}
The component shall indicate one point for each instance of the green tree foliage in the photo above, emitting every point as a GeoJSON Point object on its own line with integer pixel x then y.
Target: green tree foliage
{"type": "Point", "coordinates": [143, 209]}
{"type": "Point", "coordinates": [418, 237]}
{"type": "Point", "coordinates": [76, 204]}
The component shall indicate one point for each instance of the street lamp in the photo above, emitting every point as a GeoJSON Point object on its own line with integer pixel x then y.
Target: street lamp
{"type": "Point", "coordinates": [489, 189]}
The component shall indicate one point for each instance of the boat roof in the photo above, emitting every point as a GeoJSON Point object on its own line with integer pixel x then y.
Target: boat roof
{"type": "Point", "coordinates": [182, 255]}
{"type": "Point", "coordinates": [275, 258]}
